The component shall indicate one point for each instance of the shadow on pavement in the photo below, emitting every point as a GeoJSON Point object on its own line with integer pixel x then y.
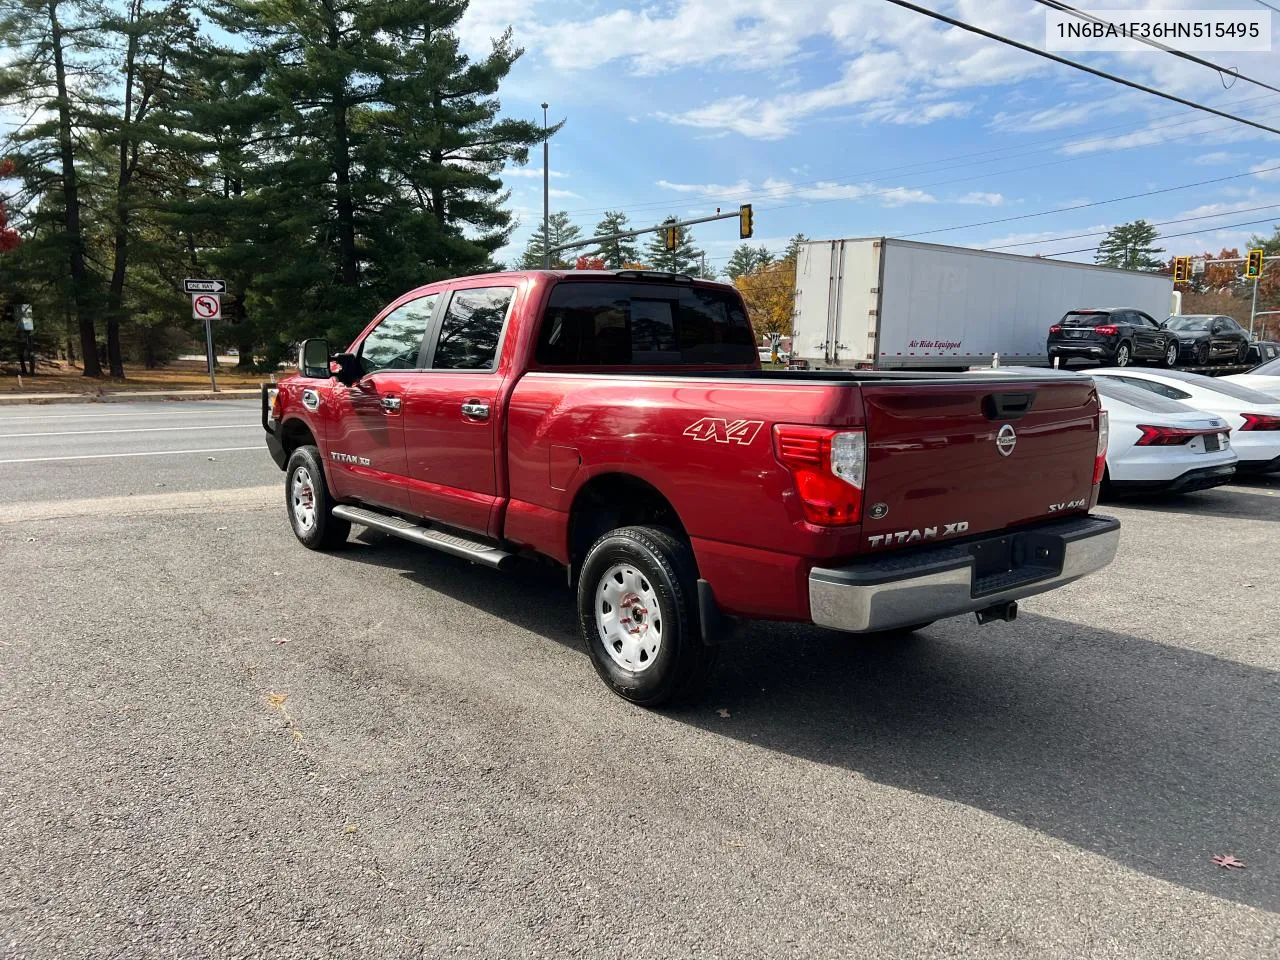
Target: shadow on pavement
{"type": "Point", "coordinates": [1153, 756]}
{"type": "Point", "coordinates": [1257, 501]}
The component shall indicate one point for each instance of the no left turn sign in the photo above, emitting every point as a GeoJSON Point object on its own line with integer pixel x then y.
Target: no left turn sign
{"type": "Point", "coordinates": [206, 306]}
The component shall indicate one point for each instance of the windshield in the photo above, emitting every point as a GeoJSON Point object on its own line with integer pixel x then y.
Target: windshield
{"type": "Point", "coordinates": [1269, 369]}
{"type": "Point", "coordinates": [1077, 318]}
{"type": "Point", "coordinates": [1189, 323]}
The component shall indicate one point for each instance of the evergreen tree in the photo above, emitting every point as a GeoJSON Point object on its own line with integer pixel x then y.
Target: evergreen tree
{"type": "Point", "coordinates": [748, 259]}
{"type": "Point", "coordinates": [792, 253]}
{"type": "Point", "coordinates": [561, 230]}
{"type": "Point", "coordinates": [685, 258]}
{"type": "Point", "coordinates": [1131, 246]}
{"type": "Point", "coordinates": [54, 74]}
{"type": "Point", "coordinates": [615, 253]}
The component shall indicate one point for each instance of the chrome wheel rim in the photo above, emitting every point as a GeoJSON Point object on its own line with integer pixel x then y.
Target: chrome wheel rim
{"type": "Point", "coordinates": [1171, 355]}
{"type": "Point", "coordinates": [1122, 357]}
{"type": "Point", "coordinates": [629, 617]}
{"type": "Point", "coordinates": [302, 497]}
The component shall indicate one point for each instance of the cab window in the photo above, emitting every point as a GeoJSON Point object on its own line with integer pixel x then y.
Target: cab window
{"type": "Point", "coordinates": [396, 342]}
{"type": "Point", "coordinates": [472, 328]}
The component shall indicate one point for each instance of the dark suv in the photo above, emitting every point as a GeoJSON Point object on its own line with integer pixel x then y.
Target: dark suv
{"type": "Point", "coordinates": [1113, 336]}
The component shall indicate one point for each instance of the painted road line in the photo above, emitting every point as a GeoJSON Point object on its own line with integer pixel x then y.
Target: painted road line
{"type": "Point", "coordinates": [149, 453]}
{"type": "Point", "coordinates": [186, 412]}
{"type": "Point", "coordinates": [204, 500]}
{"type": "Point", "coordinates": [95, 433]}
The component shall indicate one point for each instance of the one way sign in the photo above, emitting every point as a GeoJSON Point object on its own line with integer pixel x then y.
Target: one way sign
{"type": "Point", "coordinates": [204, 286]}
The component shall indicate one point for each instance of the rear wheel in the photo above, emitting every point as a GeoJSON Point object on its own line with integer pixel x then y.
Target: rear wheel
{"type": "Point", "coordinates": [1124, 355]}
{"type": "Point", "coordinates": [1171, 354]}
{"type": "Point", "coordinates": [1202, 354]}
{"type": "Point", "coordinates": [309, 503]}
{"type": "Point", "coordinates": [638, 616]}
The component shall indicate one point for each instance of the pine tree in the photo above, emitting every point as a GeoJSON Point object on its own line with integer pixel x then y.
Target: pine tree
{"type": "Point", "coordinates": [55, 73]}
{"type": "Point", "coordinates": [561, 230]}
{"type": "Point", "coordinates": [1131, 246]}
{"type": "Point", "coordinates": [748, 259]}
{"type": "Point", "coordinates": [792, 253]}
{"type": "Point", "coordinates": [685, 258]}
{"type": "Point", "coordinates": [615, 253]}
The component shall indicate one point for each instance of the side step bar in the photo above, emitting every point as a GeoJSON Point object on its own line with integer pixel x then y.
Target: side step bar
{"type": "Point", "coordinates": [477, 551]}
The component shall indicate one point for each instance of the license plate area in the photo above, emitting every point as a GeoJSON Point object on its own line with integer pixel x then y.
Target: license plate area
{"type": "Point", "coordinates": [1212, 442]}
{"type": "Point", "coordinates": [1002, 563]}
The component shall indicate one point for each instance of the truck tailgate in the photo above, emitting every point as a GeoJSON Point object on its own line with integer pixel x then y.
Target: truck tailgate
{"type": "Point", "coordinates": [955, 459]}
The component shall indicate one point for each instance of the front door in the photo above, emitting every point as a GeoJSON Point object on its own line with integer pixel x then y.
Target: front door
{"type": "Point", "coordinates": [451, 411]}
{"type": "Point", "coordinates": [366, 437]}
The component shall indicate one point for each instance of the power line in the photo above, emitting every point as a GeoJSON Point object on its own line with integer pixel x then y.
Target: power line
{"type": "Point", "coordinates": [1169, 236]}
{"type": "Point", "coordinates": [1269, 6]}
{"type": "Point", "coordinates": [1095, 203]}
{"type": "Point", "coordinates": [1159, 223]}
{"type": "Point", "coordinates": [1181, 54]}
{"type": "Point", "coordinates": [1078, 66]}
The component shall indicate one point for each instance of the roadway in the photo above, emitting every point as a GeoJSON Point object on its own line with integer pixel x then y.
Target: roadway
{"type": "Point", "coordinates": [219, 744]}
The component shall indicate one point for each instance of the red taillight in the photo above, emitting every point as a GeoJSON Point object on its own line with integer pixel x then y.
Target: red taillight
{"type": "Point", "coordinates": [1107, 330]}
{"type": "Point", "coordinates": [1171, 436]}
{"type": "Point", "coordinates": [828, 468]}
{"type": "Point", "coordinates": [1104, 438]}
{"type": "Point", "coordinates": [1260, 421]}
{"type": "Point", "coordinates": [1056, 328]}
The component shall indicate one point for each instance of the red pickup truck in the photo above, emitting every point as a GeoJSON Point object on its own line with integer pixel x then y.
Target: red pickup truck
{"type": "Point", "coordinates": [619, 423]}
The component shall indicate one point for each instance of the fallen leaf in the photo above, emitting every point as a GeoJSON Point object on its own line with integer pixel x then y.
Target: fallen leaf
{"type": "Point", "coordinates": [277, 699]}
{"type": "Point", "coordinates": [1228, 862]}
{"type": "Point", "coordinates": [723, 712]}
{"type": "Point", "coordinates": [349, 829]}
{"type": "Point", "coordinates": [279, 641]}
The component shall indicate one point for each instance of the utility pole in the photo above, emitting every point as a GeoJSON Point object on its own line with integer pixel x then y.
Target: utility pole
{"type": "Point", "coordinates": [546, 192]}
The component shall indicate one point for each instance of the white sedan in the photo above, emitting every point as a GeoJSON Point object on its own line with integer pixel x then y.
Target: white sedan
{"type": "Point", "coordinates": [1254, 417]}
{"type": "Point", "coordinates": [1264, 378]}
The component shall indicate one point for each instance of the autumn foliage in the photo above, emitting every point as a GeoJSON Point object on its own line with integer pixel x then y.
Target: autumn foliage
{"type": "Point", "coordinates": [769, 293]}
{"type": "Point", "coordinates": [9, 238]}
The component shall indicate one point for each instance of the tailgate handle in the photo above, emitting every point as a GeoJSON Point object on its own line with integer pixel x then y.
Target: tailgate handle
{"type": "Point", "coordinates": [1007, 406]}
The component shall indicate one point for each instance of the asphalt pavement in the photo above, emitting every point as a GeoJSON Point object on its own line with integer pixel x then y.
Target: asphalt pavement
{"type": "Point", "coordinates": [219, 744]}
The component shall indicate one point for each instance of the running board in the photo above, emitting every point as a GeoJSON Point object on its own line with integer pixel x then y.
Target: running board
{"type": "Point", "coordinates": [476, 551]}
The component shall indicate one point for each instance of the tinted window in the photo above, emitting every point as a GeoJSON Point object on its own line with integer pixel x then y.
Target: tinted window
{"type": "Point", "coordinates": [1145, 321]}
{"type": "Point", "coordinates": [471, 329]}
{"type": "Point", "coordinates": [1188, 324]}
{"type": "Point", "coordinates": [1229, 325]}
{"type": "Point", "coordinates": [1151, 386]}
{"type": "Point", "coordinates": [1109, 388]}
{"type": "Point", "coordinates": [395, 342]}
{"type": "Point", "coordinates": [619, 323]}
{"type": "Point", "coordinates": [1089, 319]}
{"type": "Point", "coordinates": [1217, 385]}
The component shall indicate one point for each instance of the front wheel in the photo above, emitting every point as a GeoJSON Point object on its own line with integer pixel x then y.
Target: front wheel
{"type": "Point", "coordinates": [1171, 354]}
{"type": "Point", "coordinates": [1124, 355]}
{"type": "Point", "coordinates": [638, 616]}
{"type": "Point", "coordinates": [1242, 355]}
{"type": "Point", "coordinates": [1202, 354]}
{"type": "Point", "coordinates": [309, 503]}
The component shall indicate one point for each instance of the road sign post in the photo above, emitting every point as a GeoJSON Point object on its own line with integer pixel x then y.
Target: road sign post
{"type": "Point", "coordinates": [208, 307]}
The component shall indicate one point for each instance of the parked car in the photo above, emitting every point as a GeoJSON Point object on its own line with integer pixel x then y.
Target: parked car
{"type": "Point", "coordinates": [620, 426]}
{"type": "Point", "coordinates": [1112, 336]}
{"type": "Point", "coordinates": [1204, 338]}
{"type": "Point", "coordinates": [1254, 417]}
{"type": "Point", "coordinates": [1265, 378]}
{"type": "Point", "coordinates": [1260, 351]}
{"type": "Point", "coordinates": [1158, 445]}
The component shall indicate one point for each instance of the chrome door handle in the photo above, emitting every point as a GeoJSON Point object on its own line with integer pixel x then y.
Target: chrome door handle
{"type": "Point", "coordinates": [476, 409]}
{"type": "Point", "coordinates": [391, 404]}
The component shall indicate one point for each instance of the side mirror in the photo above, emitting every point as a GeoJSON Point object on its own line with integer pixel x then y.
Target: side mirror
{"type": "Point", "coordinates": [313, 359]}
{"type": "Point", "coordinates": [349, 370]}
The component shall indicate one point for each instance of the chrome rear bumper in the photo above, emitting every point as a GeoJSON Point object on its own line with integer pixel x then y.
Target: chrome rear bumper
{"type": "Point", "coordinates": [899, 590]}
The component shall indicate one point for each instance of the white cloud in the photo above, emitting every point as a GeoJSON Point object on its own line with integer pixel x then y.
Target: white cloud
{"type": "Point", "coordinates": [530, 172]}
{"type": "Point", "coordinates": [706, 189]}
{"type": "Point", "coordinates": [1216, 158]}
{"type": "Point", "coordinates": [774, 190]}
{"type": "Point", "coordinates": [977, 198]}
{"type": "Point", "coordinates": [1266, 165]}
{"type": "Point", "coordinates": [563, 194]}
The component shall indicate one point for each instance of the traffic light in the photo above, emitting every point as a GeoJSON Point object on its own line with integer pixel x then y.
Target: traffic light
{"type": "Point", "coordinates": [1181, 269]}
{"type": "Point", "coordinates": [671, 236]}
{"type": "Point", "coordinates": [1254, 268]}
{"type": "Point", "coordinates": [744, 221]}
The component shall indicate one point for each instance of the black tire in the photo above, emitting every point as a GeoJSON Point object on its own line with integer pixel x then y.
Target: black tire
{"type": "Point", "coordinates": [1202, 354]}
{"type": "Point", "coordinates": [324, 531]}
{"type": "Point", "coordinates": [664, 564]}
{"type": "Point", "coordinates": [1124, 355]}
{"type": "Point", "coordinates": [1171, 354]}
{"type": "Point", "coordinates": [1242, 355]}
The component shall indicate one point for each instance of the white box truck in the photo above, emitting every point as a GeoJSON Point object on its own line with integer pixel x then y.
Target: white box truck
{"type": "Point", "coordinates": [896, 304]}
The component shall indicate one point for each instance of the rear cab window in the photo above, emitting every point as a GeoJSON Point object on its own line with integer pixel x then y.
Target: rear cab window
{"type": "Point", "coordinates": [638, 323]}
{"type": "Point", "coordinates": [1086, 318]}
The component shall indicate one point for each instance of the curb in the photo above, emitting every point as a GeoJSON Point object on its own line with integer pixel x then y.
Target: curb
{"type": "Point", "coordinates": [121, 396]}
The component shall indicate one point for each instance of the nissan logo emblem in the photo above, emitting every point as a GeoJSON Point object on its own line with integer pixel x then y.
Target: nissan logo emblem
{"type": "Point", "coordinates": [1006, 440]}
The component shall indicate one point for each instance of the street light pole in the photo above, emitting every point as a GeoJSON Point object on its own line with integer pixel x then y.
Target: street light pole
{"type": "Point", "coordinates": [546, 193]}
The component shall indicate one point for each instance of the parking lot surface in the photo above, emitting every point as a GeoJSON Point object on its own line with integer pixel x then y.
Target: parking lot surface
{"type": "Point", "coordinates": [219, 744]}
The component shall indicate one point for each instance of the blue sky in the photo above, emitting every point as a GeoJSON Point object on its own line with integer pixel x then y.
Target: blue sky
{"type": "Point", "coordinates": [843, 118]}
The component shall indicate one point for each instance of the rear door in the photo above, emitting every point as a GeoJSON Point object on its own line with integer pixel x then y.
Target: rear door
{"type": "Point", "coordinates": [964, 457]}
{"type": "Point", "coordinates": [366, 434]}
{"type": "Point", "coordinates": [451, 410]}
{"type": "Point", "coordinates": [1147, 335]}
